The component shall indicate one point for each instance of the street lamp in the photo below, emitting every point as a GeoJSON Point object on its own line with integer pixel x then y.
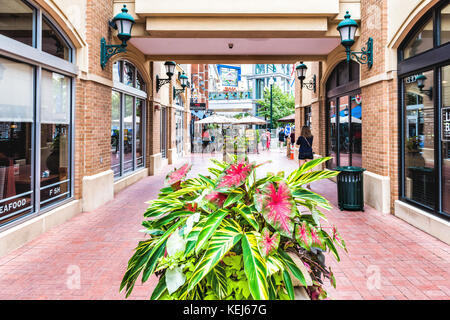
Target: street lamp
{"type": "Point", "coordinates": [347, 29]}
{"type": "Point", "coordinates": [421, 83]}
{"type": "Point", "coordinates": [123, 23]}
{"type": "Point", "coordinates": [170, 70]}
{"type": "Point", "coordinates": [184, 83]}
{"type": "Point", "coordinates": [271, 102]}
{"type": "Point", "coordinates": [301, 75]}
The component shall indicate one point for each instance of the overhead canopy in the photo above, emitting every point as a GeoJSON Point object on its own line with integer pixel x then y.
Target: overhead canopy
{"type": "Point", "coordinates": [289, 118]}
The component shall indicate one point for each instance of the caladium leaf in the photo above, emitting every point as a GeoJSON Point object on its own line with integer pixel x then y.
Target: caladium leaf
{"type": "Point", "coordinates": [301, 235]}
{"type": "Point", "coordinates": [175, 243]}
{"type": "Point", "coordinates": [235, 175]}
{"type": "Point", "coordinates": [268, 244]}
{"type": "Point", "coordinates": [178, 174]}
{"type": "Point", "coordinates": [216, 198]}
{"type": "Point", "coordinates": [277, 207]}
{"type": "Point", "coordinates": [255, 267]}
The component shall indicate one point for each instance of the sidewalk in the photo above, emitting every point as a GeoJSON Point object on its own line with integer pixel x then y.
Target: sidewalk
{"type": "Point", "coordinates": [86, 257]}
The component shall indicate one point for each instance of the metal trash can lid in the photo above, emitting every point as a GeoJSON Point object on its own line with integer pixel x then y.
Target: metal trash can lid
{"type": "Point", "coordinates": [349, 169]}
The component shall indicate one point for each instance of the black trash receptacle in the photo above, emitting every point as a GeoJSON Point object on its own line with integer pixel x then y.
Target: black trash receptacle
{"type": "Point", "coordinates": [350, 188]}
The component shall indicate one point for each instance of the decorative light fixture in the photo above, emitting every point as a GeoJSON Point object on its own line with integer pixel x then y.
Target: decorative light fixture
{"type": "Point", "coordinates": [347, 29]}
{"type": "Point", "coordinates": [301, 75]}
{"type": "Point", "coordinates": [170, 70]}
{"type": "Point", "coordinates": [123, 22]}
{"type": "Point", "coordinates": [421, 83]}
{"type": "Point", "coordinates": [184, 83]}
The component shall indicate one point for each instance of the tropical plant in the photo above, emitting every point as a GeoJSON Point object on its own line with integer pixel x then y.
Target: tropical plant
{"type": "Point", "coordinates": [233, 236]}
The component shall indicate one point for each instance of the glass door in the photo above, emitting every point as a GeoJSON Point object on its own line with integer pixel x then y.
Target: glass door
{"type": "Point", "coordinates": [445, 114]}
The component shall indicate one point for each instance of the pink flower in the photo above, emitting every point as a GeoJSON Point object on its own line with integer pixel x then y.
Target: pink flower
{"type": "Point", "coordinates": [216, 198]}
{"type": "Point", "coordinates": [235, 175]}
{"type": "Point", "coordinates": [178, 174]}
{"type": "Point", "coordinates": [268, 244]}
{"type": "Point", "coordinates": [277, 207]}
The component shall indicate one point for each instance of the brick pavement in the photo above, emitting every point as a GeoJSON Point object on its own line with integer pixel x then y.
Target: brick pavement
{"type": "Point", "coordinates": [387, 259]}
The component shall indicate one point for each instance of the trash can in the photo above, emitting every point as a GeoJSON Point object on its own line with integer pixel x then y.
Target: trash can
{"type": "Point", "coordinates": [350, 188]}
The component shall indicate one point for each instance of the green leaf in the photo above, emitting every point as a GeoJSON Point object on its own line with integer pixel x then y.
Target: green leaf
{"type": "Point", "coordinates": [209, 227]}
{"type": "Point", "coordinates": [221, 242]}
{"type": "Point", "coordinates": [169, 217]}
{"type": "Point", "coordinates": [160, 207]}
{"type": "Point", "coordinates": [255, 267]}
{"type": "Point", "coordinates": [159, 289]}
{"type": "Point", "coordinates": [153, 261]}
{"type": "Point", "coordinates": [305, 194]}
{"type": "Point", "coordinates": [247, 214]}
{"type": "Point", "coordinates": [292, 267]}
{"type": "Point", "coordinates": [232, 198]}
{"type": "Point", "coordinates": [288, 283]}
{"type": "Point", "coordinates": [218, 279]}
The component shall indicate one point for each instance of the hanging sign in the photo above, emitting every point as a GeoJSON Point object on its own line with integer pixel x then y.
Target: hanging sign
{"type": "Point", "coordinates": [445, 124]}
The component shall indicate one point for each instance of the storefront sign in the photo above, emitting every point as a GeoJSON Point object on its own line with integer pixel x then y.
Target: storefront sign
{"type": "Point", "coordinates": [411, 79]}
{"type": "Point", "coordinates": [13, 206]}
{"type": "Point", "coordinates": [198, 106]}
{"type": "Point", "coordinates": [446, 124]}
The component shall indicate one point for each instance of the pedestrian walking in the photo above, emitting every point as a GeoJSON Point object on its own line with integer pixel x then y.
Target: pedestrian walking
{"type": "Point", "coordinates": [305, 152]}
{"type": "Point", "coordinates": [268, 139]}
{"type": "Point", "coordinates": [281, 137]}
{"type": "Point", "coordinates": [264, 140]}
{"type": "Point", "coordinates": [206, 139]}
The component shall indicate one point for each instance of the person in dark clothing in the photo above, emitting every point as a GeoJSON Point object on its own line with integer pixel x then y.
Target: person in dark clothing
{"type": "Point", "coordinates": [305, 152]}
{"type": "Point", "coordinates": [281, 138]}
{"type": "Point", "coordinates": [293, 137]}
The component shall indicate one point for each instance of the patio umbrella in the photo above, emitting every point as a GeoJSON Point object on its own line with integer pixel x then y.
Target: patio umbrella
{"type": "Point", "coordinates": [250, 120]}
{"type": "Point", "coordinates": [289, 118]}
{"type": "Point", "coordinates": [216, 119]}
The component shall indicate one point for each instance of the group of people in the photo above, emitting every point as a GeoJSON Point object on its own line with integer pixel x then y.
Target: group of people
{"type": "Point", "coordinates": [304, 141]}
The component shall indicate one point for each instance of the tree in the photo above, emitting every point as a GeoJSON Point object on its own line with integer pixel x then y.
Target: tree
{"type": "Point", "coordinates": [283, 104]}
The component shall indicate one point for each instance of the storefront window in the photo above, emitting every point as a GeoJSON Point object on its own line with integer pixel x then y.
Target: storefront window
{"type": "Point", "coordinates": [420, 42]}
{"type": "Point", "coordinates": [139, 133]}
{"type": "Point", "coordinates": [16, 148]}
{"type": "Point", "coordinates": [344, 116]}
{"type": "Point", "coordinates": [445, 141]}
{"type": "Point", "coordinates": [445, 25]}
{"type": "Point", "coordinates": [115, 133]}
{"type": "Point", "coordinates": [16, 21]}
{"type": "Point", "coordinates": [35, 115]}
{"type": "Point", "coordinates": [420, 184]}
{"type": "Point", "coordinates": [128, 141]}
{"type": "Point", "coordinates": [127, 122]}
{"type": "Point", "coordinates": [332, 138]}
{"type": "Point", "coordinates": [55, 121]}
{"type": "Point", "coordinates": [53, 42]}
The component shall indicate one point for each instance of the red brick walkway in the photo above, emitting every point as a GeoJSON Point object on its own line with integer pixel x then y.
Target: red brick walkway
{"type": "Point", "coordinates": [86, 257]}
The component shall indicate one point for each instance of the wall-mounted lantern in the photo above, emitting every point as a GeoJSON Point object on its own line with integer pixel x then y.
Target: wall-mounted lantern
{"type": "Point", "coordinates": [184, 83]}
{"type": "Point", "coordinates": [421, 83]}
{"type": "Point", "coordinates": [123, 23]}
{"type": "Point", "coordinates": [347, 29]}
{"type": "Point", "coordinates": [170, 70]}
{"type": "Point", "coordinates": [301, 75]}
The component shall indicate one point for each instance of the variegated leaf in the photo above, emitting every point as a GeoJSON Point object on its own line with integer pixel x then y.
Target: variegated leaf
{"type": "Point", "coordinates": [255, 267]}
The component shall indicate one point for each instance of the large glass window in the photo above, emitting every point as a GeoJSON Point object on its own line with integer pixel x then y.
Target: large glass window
{"type": "Point", "coordinates": [344, 116]}
{"type": "Point", "coordinates": [16, 21]}
{"type": "Point", "coordinates": [16, 133]}
{"type": "Point", "coordinates": [445, 141]}
{"type": "Point", "coordinates": [420, 42]}
{"type": "Point", "coordinates": [445, 25]}
{"type": "Point", "coordinates": [127, 122]}
{"type": "Point", "coordinates": [53, 42]}
{"type": "Point", "coordinates": [420, 184]}
{"type": "Point", "coordinates": [115, 133]}
{"type": "Point", "coordinates": [55, 122]}
{"type": "Point", "coordinates": [35, 116]}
